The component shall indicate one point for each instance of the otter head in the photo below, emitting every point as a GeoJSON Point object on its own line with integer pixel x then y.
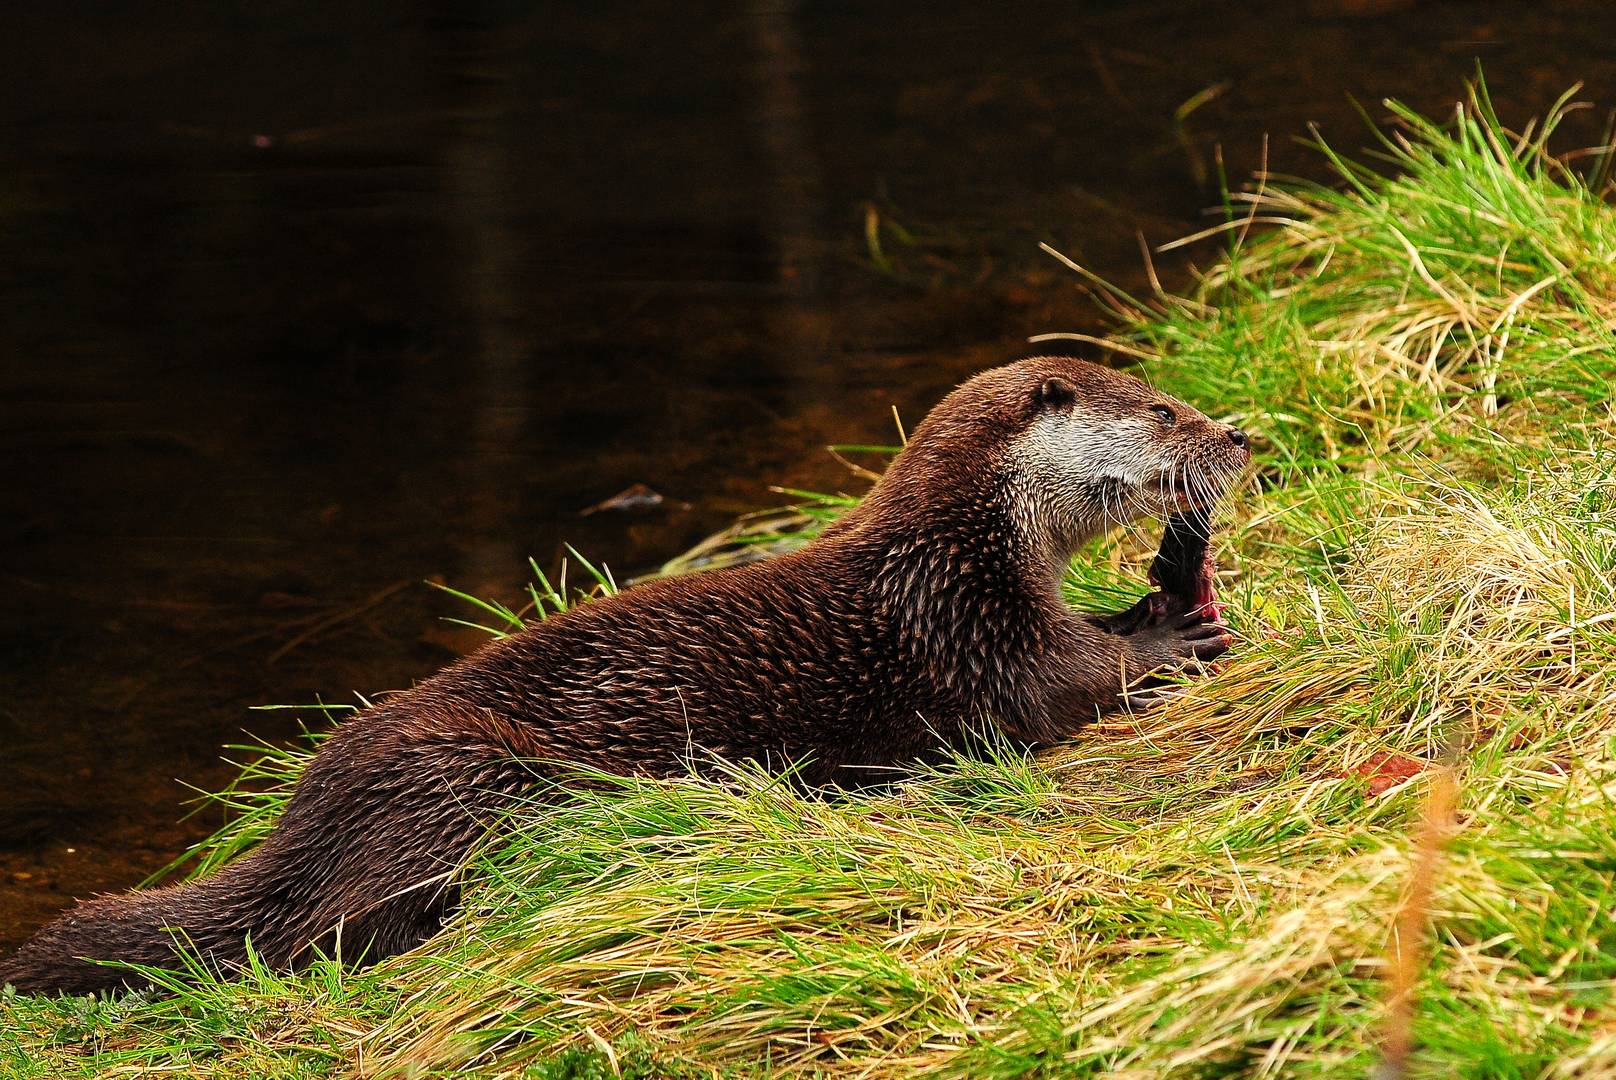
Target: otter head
{"type": "Point", "coordinates": [1065, 448]}
{"type": "Point", "coordinates": [1096, 448]}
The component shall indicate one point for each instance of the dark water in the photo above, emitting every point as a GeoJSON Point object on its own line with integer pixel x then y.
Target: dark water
{"type": "Point", "coordinates": [306, 303]}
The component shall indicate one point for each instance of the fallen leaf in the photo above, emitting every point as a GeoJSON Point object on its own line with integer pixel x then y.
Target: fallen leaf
{"type": "Point", "coordinates": [1385, 770]}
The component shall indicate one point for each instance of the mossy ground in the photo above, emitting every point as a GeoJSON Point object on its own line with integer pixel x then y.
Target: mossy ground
{"type": "Point", "coordinates": [1421, 573]}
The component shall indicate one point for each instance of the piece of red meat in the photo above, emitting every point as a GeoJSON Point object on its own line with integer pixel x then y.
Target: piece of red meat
{"type": "Point", "coordinates": [1183, 567]}
{"type": "Point", "coordinates": [1181, 574]}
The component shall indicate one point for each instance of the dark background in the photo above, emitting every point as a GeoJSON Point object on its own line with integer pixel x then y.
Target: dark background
{"type": "Point", "coordinates": [303, 303]}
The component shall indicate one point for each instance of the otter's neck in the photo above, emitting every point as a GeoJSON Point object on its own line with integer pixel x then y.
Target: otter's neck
{"type": "Point", "coordinates": [971, 528]}
{"type": "Point", "coordinates": [957, 574]}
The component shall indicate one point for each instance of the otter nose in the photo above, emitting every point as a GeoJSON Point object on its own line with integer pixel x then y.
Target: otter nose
{"type": "Point", "coordinates": [1238, 437]}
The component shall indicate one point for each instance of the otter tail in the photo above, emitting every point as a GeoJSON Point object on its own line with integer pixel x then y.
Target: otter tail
{"type": "Point", "coordinates": [146, 928]}
{"type": "Point", "coordinates": [363, 864]}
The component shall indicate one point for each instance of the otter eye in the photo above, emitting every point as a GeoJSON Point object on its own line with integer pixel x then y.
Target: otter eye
{"type": "Point", "coordinates": [1164, 414]}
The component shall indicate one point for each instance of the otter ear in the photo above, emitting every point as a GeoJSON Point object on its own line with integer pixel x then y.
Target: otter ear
{"type": "Point", "coordinates": [1056, 393]}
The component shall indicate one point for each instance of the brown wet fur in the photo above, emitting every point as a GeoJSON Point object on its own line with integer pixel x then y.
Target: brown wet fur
{"type": "Point", "coordinates": [887, 640]}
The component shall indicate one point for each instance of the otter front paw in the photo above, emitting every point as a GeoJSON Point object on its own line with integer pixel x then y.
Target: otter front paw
{"type": "Point", "coordinates": [1176, 641]}
{"type": "Point", "coordinates": [1155, 609]}
{"type": "Point", "coordinates": [1152, 607]}
{"type": "Point", "coordinates": [1186, 641]}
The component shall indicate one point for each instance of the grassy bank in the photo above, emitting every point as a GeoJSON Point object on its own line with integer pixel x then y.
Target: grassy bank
{"type": "Point", "coordinates": [1423, 570]}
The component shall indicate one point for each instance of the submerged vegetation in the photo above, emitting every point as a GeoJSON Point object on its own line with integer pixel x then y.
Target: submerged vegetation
{"type": "Point", "coordinates": [1423, 582]}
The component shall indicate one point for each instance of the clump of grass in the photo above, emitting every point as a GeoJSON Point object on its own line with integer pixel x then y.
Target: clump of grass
{"type": "Point", "coordinates": [1426, 561]}
{"type": "Point", "coordinates": [1402, 310]}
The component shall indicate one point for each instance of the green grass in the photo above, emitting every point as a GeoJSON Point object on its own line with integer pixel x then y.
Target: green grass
{"type": "Point", "coordinates": [1426, 560]}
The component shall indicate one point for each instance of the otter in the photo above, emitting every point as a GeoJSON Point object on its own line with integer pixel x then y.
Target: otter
{"type": "Point", "coordinates": [932, 607]}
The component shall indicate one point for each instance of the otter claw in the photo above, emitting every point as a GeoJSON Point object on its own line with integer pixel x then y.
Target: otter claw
{"type": "Point", "coordinates": [1148, 697]}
